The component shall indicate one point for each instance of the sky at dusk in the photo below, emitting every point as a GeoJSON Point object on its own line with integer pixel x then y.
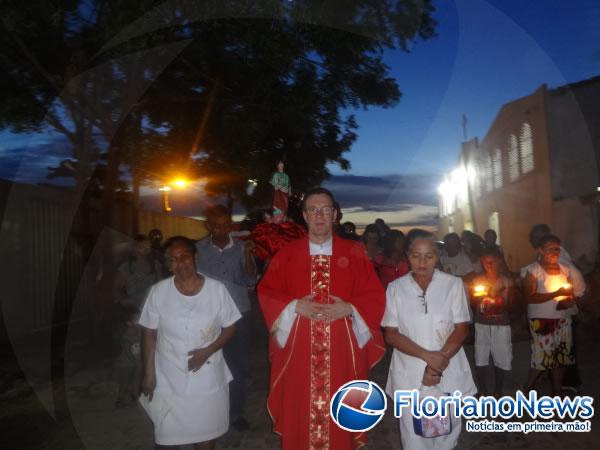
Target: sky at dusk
{"type": "Point", "coordinates": [486, 53]}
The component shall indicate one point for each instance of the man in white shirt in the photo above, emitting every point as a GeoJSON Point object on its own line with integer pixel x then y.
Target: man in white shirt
{"type": "Point", "coordinates": [454, 260]}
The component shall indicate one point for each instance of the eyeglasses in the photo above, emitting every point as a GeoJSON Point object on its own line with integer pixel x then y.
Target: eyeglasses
{"type": "Point", "coordinates": [423, 301]}
{"type": "Point", "coordinates": [325, 210]}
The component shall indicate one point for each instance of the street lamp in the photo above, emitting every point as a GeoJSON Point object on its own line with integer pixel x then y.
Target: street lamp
{"type": "Point", "coordinates": [178, 183]}
{"type": "Point", "coordinates": [165, 198]}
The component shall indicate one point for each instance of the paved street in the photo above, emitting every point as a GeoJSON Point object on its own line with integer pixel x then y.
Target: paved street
{"type": "Point", "coordinates": [96, 424]}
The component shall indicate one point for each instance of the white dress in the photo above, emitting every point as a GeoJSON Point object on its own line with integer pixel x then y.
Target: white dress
{"type": "Point", "coordinates": [405, 310]}
{"type": "Point", "coordinates": [198, 401]}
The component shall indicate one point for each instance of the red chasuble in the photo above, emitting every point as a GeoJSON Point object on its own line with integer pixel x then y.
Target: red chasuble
{"type": "Point", "coordinates": [319, 356]}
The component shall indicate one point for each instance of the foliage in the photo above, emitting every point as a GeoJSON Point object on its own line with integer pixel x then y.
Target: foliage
{"type": "Point", "coordinates": [218, 89]}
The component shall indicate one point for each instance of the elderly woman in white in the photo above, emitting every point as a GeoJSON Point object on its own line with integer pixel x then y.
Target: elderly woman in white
{"type": "Point", "coordinates": [426, 321]}
{"type": "Point", "coordinates": [186, 321]}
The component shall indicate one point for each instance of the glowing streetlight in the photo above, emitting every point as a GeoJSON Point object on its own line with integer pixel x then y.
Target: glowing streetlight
{"type": "Point", "coordinates": [180, 182]}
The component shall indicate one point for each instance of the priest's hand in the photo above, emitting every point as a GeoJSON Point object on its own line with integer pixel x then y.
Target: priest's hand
{"type": "Point", "coordinates": [198, 358]}
{"type": "Point", "coordinates": [306, 307]}
{"type": "Point", "coordinates": [338, 309]}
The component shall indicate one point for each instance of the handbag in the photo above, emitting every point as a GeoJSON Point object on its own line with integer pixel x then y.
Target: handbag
{"type": "Point", "coordinates": [436, 426]}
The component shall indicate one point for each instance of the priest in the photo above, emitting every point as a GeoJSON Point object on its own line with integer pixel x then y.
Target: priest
{"type": "Point", "coordinates": [323, 304]}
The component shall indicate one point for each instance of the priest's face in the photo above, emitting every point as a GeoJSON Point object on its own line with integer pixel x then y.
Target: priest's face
{"type": "Point", "coordinates": [319, 214]}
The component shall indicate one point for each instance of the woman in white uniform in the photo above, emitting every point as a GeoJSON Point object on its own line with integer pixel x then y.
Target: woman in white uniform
{"type": "Point", "coordinates": [426, 321]}
{"type": "Point", "coordinates": [186, 321]}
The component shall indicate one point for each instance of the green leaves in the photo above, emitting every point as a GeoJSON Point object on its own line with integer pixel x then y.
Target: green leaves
{"type": "Point", "coordinates": [244, 83]}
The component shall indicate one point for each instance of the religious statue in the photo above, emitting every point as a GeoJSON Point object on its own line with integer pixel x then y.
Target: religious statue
{"type": "Point", "coordinates": [281, 191]}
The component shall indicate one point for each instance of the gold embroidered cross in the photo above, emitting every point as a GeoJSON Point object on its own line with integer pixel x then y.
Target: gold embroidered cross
{"type": "Point", "coordinates": [320, 404]}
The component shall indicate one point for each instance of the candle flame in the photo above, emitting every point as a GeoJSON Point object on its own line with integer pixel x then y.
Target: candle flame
{"type": "Point", "coordinates": [479, 290]}
{"type": "Point", "coordinates": [563, 286]}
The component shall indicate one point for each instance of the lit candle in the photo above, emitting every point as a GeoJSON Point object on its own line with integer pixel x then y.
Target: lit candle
{"type": "Point", "coordinates": [479, 290]}
{"type": "Point", "coordinates": [563, 297]}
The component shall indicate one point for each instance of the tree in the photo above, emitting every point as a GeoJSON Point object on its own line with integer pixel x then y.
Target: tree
{"type": "Point", "coordinates": [281, 87]}
{"type": "Point", "coordinates": [222, 88]}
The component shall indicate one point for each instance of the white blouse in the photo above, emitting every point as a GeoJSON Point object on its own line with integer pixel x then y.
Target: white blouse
{"type": "Point", "coordinates": [427, 319]}
{"type": "Point", "coordinates": [186, 323]}
{"type": "Point", "coordinates": [550, 283]}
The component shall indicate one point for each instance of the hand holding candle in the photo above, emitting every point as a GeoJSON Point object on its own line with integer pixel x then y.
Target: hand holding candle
{"type": "Point", "coordinates": [564, 300]}
{"type": "Point", "coordinates": [479, 290]}
{"type": "Point", "coordinates": [564, 292]}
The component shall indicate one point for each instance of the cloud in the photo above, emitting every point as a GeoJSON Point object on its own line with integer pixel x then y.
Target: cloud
{"type": "Point", "coordinates": [30, 163]}
{"type": "Point", "coordinates": [408, 215]}
{"type": "Point", "coordinates": [400, 200]}
{"type": "Point", "coordinates": [384, 193]}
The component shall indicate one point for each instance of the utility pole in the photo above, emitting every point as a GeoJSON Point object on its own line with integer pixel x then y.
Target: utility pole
{"type": "Point", "coordinates": [165, 198]}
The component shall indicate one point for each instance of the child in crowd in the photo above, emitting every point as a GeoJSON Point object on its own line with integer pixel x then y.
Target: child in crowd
{"type": "Point", "coordinates": [491, 296]}
{"type": "Point", "coordinates": [128, 363]}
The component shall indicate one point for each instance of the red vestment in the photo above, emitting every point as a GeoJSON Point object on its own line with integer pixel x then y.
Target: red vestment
{"type": "Point", "coordinates": [318, 356]}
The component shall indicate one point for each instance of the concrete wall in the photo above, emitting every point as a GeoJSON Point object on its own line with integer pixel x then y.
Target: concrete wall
{"type": "Point", "coordinates": [48, 259]}
{"type": "Point", "coordinates": [561, 190]}
{"type": "Point", "coordinates": [171, 225]}
{"type": "Point", "coordinates": [576, 223]}
{"type": "Point", "coordinates": [452, 223]}
{"type": "Point", "coordinates": [573, 115]}
{"type": "Point", "coordinates": [526, 201]}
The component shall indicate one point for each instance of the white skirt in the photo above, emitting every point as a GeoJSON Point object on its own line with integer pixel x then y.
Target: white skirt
{"type": "Point", "coordinates": [194, 419]}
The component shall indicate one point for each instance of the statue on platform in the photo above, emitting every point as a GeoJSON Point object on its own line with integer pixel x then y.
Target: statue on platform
{"type": "Point", "coordinates": [281, 192]}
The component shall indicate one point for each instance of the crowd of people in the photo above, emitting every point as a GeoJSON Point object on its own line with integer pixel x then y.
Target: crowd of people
{"type": "Point", "coordinates": [332, 300]}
